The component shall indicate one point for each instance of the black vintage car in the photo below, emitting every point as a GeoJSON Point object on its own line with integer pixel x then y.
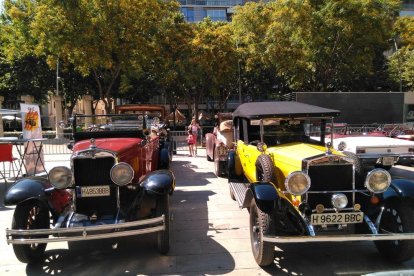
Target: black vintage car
{"type": "Point", "coordinates": [297, 188]}
{"type": "Point", "coordinates": [119, 184]}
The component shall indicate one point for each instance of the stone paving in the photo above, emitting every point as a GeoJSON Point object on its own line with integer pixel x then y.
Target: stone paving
{"type": "Point", "coordinates": [209, 236]}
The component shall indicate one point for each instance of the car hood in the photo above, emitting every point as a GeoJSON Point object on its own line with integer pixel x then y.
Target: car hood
{"type": "Point", "coordinates": [293, 153]}
{"type": "Point", "coordinates": [116, 145]}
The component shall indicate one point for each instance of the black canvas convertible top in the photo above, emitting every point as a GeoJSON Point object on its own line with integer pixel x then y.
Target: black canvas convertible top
{"type": "Point", "coordinates": [255, 110]}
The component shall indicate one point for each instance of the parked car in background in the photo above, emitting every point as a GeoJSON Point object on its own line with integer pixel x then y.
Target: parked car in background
{"type": "Point", "coordinates": [219, 142]}
{"type": "Point", "coordinates": [298, 188]}
{"type": "Point", "coordinates": [119, 184]}
{"type": "Point", "coordinates": [377, 151]}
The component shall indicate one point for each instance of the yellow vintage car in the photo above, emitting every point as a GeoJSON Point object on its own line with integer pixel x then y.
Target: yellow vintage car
{"type": "Point", "coordinates": [297, 188]}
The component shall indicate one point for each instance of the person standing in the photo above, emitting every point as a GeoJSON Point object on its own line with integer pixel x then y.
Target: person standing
{"type": "Point", "coordinates": [194, 127]}
{"type": "Point", "coordinates": [190, 141]}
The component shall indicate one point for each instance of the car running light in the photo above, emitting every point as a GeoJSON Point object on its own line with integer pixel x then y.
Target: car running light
{"type": "Point", "coordinates": [60, 177]}
{"type": "Point", "coordinates": [378, 181]}
{"type": "Point", "coordinates": [339, 201]}
{"type": "Point", "coordinates": [122, 174]}
{"type": "Point", "coordinates": [297, 183]}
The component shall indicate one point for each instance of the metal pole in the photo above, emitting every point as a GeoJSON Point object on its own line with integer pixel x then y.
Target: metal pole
{"type": "Point", "coordinates": [240, 94]}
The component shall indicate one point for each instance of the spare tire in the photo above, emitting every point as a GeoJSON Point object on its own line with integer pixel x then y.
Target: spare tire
{"type": "Point", "coordinates": [265, 169]}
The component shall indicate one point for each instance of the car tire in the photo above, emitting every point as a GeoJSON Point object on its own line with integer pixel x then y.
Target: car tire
{"type": "Point", "coordinates": [261, 224]}
{"type": "Point", "coordinates": [265, 170]}
{"type": "Point", "coordinates": [163, 237]}
{"type": "Point", "coordinates": [31, 215]}
{"type": "Point", "coordinates": [397, 218]}
{"type": "Point", "coordinates": [359, 170]}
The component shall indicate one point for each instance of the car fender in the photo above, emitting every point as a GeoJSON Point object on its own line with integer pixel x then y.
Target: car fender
{"type": "Point", "coordinates": [264, 193]}
{"type": "Point", "coordinates": [234, 166]}
{"type": "Point", "coordinates": [400, 188]}
{"type": "Point", "coordinates": [210, 142]}
{"type": "Point", "coordinates": [164, 159]}
{"type": "Point", "coordinates": [158, 182]}
{"type": "Point", "coordinates": [27, 188]}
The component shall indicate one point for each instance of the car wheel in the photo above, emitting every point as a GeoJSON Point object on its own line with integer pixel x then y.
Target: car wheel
{"type": "Point", "coordinates": [397, 218]}
{"type": "Point", "coordinates": [163, 238]}
{"type": "Point", "coordinates": [28, 216]}
{"type": "Point", "coordinates": [359, 170]}
{"type": "Point", "coordinates": [260, 225]}
{"type": "Point", "coordinates": [208, 157]}
{"type": "Point", "coordinates": [265, 170]}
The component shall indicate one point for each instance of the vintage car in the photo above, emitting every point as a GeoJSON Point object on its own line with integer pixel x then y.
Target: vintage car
{"type": "Point", "coordinates": [377, 151]}
{"type": "Point", "coordinates": [219, 142]}
{"type": "Point", "coordinates": [118, 184]}
{"type": "Point", "coordinates": [299, 189]}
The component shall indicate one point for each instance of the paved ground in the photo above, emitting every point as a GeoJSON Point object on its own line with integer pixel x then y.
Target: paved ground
{"type": "Point", "coordinates": [209, 237]}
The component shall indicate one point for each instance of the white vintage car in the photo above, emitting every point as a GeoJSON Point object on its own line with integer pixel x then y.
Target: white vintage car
{"type": "Point", "coordinates": [377, 151]}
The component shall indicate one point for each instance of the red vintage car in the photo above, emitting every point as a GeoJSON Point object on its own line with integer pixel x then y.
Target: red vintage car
{"type": "Point", "coordinates": [219, 142]}
{"type": "Point", "coordinates": [119, 184]}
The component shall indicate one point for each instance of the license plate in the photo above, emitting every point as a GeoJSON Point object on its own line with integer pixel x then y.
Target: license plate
{"type": "Point", "coordinates": [387, 161]}
{"type": "Point", "coordinates": [337, 218]}
{"type": "Point", "coordinates": [94, 191]}
{"type": "Point", "coordinates": [222, 151]}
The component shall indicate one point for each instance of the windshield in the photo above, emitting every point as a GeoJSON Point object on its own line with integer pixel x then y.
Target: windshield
{"type": "Point", "coordinates": [278, 131]}
{"type": "Point", "coordinates": [128, 122]}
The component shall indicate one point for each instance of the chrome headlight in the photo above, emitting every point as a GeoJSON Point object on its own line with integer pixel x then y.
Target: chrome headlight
{"type": "Point", "coordinates": [122, 174]}
{"type": "Point", "coordinates": [297, 183]}
{"type": "Point", "coordinates": [339, 201]}
{"type": "Point", "coordinates": [378, 181]}
{"type": "Point", "coordinates": [60, 177]}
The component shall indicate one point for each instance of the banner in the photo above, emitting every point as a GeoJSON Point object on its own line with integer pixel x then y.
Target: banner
{"type": "Point", "coordinates": [32, 129]}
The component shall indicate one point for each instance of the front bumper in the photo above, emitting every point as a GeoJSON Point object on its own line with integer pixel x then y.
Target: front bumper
{"type": "Point", "coordinates": [338, 238]}
{"type": "Point", "coordinates": [85, 233]}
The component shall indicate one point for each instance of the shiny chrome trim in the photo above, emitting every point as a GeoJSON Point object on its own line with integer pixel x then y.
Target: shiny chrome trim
{"type": "Point", "coordinates": [338, 238]}
{"type": "Point", "coordinates": [85, 233]}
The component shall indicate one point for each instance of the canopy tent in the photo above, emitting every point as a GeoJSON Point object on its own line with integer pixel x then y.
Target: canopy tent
{"type": "Point", "coordinates": [178, 116]}
{"type": "Point", "coordinates": [11, 118]}
{"type": "Point", "coordinates": [9, 112]}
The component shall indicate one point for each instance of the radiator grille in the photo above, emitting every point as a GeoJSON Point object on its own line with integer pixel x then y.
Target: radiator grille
{"type": "Point", "coordinates": [94, 172]}
{"type": "Point", "coordinates": [335, 177]}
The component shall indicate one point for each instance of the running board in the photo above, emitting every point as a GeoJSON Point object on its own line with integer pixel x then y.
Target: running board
{"type": "Point", "coordinates": [239, 189]}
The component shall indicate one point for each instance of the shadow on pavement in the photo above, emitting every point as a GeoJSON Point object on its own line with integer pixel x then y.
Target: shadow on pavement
{"type": "Point", "coordinates": [193, 248]}
{"type": "Point", "coordinates": [186, 175]}
{"type": "Point", "coordinates": [348, 258]}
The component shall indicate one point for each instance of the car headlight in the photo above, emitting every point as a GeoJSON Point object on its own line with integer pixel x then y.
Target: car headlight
{"type": "Point", "coordinates": [378, 181]}
{"type": "Point", "coordinates": [60, 177]}
{"type": "Point", "coordinates": [297, 183]}
{"type": "Point", "coordinates": [122, 174]}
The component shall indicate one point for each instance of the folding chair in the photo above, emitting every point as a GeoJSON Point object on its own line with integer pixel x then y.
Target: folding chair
{"type": "Point", "coordinates": [6, 155]}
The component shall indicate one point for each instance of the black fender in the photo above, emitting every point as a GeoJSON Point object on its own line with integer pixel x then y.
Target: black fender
{"type": "Point", "coordinates": [28, 188]}
{"type": "Point", "coordinates": [400, 188]}
{"type": "Point", "coordinates": [158, 182]}
{"type": "Point", "coordinates": [264, 193]}
{"type": "Point", "coordinates": [232, 166]}
{"type": "Point", "coordinates": [164, 159]}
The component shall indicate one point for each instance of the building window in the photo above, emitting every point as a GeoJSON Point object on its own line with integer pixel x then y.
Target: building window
{"type": "Point", "coordinates": [188, 14]}
{"type": "Point", "coordinates": [217, 15]}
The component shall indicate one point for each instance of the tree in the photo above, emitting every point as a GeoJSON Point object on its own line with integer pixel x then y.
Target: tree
{"type": "Point", "coordinates": [316, 45]}
{"type": "Point", "coordinates": [402, 60]}
{"type": "Point", "coordinates": [100, 38]}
